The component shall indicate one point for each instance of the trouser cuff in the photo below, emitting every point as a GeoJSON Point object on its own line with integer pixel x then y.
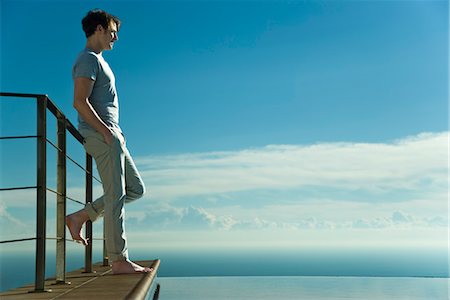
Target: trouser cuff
{"type": "Point", "coordinates": [92, 213]}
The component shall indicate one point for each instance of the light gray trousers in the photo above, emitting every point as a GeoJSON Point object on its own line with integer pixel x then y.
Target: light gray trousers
{"type": "Point", "coordinates": [121, 184]}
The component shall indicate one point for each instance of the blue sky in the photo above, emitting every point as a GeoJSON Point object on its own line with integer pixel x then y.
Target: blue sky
{"type": "Point", "coordinates": [212, 75]}
{"type": "Point", "coordinates": [290, 122]}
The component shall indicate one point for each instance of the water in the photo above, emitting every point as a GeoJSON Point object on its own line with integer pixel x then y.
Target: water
{"type": "Point", "coordinates": [296, 287]}
{"type": "Point", "coordinates": [185, 274]}
{"type": "Point", "coordinates": [356, 262]}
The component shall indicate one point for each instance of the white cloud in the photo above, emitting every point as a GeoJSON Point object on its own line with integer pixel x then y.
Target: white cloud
{"type": "Point", "coordinates": [193, 217]}
{"type": "Point", "coordinates": [203, 182]}
{"type": "Point", "coordinates": [186, 218]}
{"type": "Point", "coordinates": [255, 223]}
{"type": "Point", "coordinates": [415, 164]}
{"type": "Point", "coordinates": [401, 217]}
{"type": "Point", "coordinates": [167, 217]}
{"type": "Point", "coordinates": [437, 221]}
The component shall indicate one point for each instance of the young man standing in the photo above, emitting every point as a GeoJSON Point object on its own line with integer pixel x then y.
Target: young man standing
{"type": "Point", "coordinates": [95, 99]}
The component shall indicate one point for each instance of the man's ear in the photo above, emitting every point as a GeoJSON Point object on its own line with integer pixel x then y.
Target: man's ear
{"type": "Point", "coordinates": [99, 28]}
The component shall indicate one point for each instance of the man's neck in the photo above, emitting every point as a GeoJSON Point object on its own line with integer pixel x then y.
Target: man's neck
{"type": "Point", "coordinates": [94, 46]}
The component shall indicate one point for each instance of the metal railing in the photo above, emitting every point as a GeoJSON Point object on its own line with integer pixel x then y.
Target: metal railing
{"type": "Point", "coordinates": [63, 125]}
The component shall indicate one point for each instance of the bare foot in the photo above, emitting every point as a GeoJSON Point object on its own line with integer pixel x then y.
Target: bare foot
{"type": "Point", "coordinates": [75, 223]}
{"type": "Point", "coordinates": [128, 267]}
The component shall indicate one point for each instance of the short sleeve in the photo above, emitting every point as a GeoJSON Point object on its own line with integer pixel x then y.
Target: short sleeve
{"type": "Point", "coordinates": [86, 66]}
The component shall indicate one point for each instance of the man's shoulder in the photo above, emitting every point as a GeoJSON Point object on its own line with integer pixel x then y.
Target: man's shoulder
{"type": "Point", "coordinates": [88, 56]}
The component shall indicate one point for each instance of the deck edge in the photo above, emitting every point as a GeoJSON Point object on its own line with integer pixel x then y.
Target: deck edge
{"type": "Point", "coordinates": [140, 290]}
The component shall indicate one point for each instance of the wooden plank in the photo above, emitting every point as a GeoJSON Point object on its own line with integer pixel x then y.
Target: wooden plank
{"type": "Point", "coordinates": [100, 284]}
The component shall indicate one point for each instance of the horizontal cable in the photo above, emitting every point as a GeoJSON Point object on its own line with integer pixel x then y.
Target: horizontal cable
{"type": "Point", "coordinates": [60, 150]}
{"type": "Point", "coordinates": [18, 188]}
{"type": "Point", "coordinates": [47, 238]}
{"type": "Point", "coordinates": [18, 240]}
{"type": "Point", "coordinates": [71, 199]}
{"type": "Point", "coordinates": [81, 167]}
{"type": "Point", "coordinates": [76, 163]}
{"type": "Point", "coordinates": [67, 197]}
{"type": "Point", "coordinates": [93, 239]}
{"type": "Point", "coordinates": [71, 240]}
{"type": "Point", "coordinates": [54, 146]}
{"type": "Point", "coordinates": [18, 137]}
{"type": "Point", "coordinates": [86, 171]}
{"type": "Point", "coordinates": [53, 191]}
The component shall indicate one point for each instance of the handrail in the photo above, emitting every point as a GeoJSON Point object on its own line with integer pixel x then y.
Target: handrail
{"type": "Point", "coordinates": [43, 103]}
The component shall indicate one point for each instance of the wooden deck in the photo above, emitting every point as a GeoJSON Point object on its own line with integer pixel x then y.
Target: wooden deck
{"type": "Point", "coordinates": [98, 285]}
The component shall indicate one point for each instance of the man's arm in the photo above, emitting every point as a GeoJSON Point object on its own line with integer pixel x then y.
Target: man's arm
{"type": "Point", "coordinates": [83, 89]}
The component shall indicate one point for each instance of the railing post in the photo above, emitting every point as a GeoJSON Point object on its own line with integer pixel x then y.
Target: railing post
{"type": "Point", "coordinates": [42, 104]}
{"type": "Point", "coordinates": [88, 250]}
{"type": "Point", "coordinates": [41, 193]}
{"type": "Point", "coordinates": [61, 202]}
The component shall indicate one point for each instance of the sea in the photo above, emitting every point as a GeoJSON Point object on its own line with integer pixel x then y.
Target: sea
{"type": "Point", "coordinates": [302, 287]}
{"type": "Point", "coordinates": [272, 273]}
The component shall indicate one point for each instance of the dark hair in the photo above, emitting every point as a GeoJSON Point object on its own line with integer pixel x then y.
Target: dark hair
{"type": "Point", "coordinates": [97, 17]}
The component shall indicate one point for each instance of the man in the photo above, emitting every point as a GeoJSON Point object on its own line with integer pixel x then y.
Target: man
{"type": "Point", "coordinates": [95, 99]}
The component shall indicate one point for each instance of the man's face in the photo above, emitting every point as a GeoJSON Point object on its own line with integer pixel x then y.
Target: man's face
{"type": "Point", "coordinates": [108, 36]}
